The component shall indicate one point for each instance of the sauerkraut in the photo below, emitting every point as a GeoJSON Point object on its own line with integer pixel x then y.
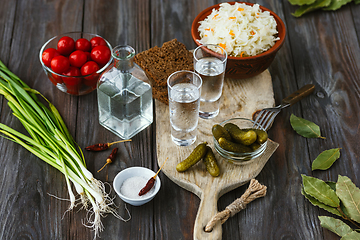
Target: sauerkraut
{"type": "Point", "coordinates": [242, 30]}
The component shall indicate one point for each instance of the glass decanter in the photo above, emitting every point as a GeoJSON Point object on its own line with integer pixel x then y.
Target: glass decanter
{"type": "Point", "coordinates": [124, 99]}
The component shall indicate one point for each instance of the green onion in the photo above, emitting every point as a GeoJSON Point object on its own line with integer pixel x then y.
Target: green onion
{"type": "Point", "coordinates": [50, 140]}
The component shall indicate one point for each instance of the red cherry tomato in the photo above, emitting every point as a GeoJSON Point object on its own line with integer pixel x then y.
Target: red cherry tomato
{"type": "Point", "coordinates": [73, 82]}
{"type": "Point", "coordinates": [97, 41]}
{"type": "Point", "coordinates": [88, 68]}
{"type": "Point", "coordinates": [60, 64]}
{"type": "Point", "coordinates": [78, 58]}
{"type": "Point", "coordinates": [88, 56]}
{"type": "Point", "coordinates": [55, 79]}
{"type": "Point", "coordinates": [66, 45]}
{"type": "Point", "coordinates": [73, 79]}
{"type": "Point", "coordinates": [49, 54]}
{"type": "Point", "coordinates": [101, 55]}
{"type": "Point", "coordinates": [83, 45]}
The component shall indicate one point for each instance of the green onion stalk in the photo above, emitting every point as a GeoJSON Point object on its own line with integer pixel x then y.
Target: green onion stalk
{"type": "Point", "coordinates": [50, 140]}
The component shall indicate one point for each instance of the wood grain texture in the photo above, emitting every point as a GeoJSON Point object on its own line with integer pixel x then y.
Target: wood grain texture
{"type": "Point", "coordinates": [240, 98]}
{"type": "Point", "coordinates": [320, 48]}
{"type": "Point", "coordinates": [121, 23]}
{"type": "Point", "coordinates": [32, 213]}
{"type": "Point", "coordinates": [314, 54]}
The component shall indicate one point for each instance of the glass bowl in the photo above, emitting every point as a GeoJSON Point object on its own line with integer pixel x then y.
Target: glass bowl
{"type": "Point", "coordinates": [136, 172]}
{"type": "Point", "coordinates": [240, 158]}
{"type": "Point", "coordinates": [79, 85]}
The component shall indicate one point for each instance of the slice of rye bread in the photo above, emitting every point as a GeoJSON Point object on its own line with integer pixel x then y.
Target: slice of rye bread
{"type": "Point", "coordinates": [159, 63]}
{"type": "Point", "coordinates": [161, 96]}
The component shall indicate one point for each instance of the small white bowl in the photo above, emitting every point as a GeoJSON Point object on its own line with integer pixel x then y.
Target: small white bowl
{"type": "Point", "coordinates": [136, 172]}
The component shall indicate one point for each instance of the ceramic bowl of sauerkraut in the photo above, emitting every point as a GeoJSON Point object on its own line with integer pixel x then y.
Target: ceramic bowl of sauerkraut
{"type": "Point", "coordinates": [251, 35]}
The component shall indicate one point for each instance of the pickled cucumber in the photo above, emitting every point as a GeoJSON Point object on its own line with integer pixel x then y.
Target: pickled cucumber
{"type": "Point", "coordinates": [243, 136]}
{"type": "Point", "coordinates": [255, 146]}
{"type": "Point", "coordinates": [196, 155]}
{"type": "Point", "coordinates": [211, 163]}
{"type": "Point", "coordinates": [233, 147]}
{"type": "Point", "coordinates": [230, 127]}
{"type": "Point", "coordinates": [262, 136]}
{"type": "Point", "coordinates": [219, 131]}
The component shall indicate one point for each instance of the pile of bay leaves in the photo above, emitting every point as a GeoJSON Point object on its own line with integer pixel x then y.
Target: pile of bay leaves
{"type": "Point", "coordinates": [311, 5]}
{"type": "Point", "coordinates": [341, 198]}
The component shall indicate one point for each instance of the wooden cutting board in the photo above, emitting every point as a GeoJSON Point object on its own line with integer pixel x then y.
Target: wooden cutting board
{"type": "Point", "coordinates": [241, 98]}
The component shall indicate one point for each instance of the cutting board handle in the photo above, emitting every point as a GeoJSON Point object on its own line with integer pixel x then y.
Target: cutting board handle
{"type": "Point", "coordinates": [207, 209]}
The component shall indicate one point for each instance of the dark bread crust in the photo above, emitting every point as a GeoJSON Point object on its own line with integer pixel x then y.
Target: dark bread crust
{"type": "Point", "coordinates": [161, 96]}
{"type": "Point", "coordinates": [160, 63]}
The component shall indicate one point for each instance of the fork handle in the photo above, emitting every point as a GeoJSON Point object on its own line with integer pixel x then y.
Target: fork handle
{"type": "Point", "coordinates": [299, 94]}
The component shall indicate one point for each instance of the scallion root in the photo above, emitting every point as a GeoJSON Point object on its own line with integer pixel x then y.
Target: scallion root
{"type": "Point", "coordinates": [49, 139]}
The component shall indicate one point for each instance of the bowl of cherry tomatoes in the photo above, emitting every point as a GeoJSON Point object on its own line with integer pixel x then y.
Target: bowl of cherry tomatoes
{"type": "Point", "coordinates": [74, 61]}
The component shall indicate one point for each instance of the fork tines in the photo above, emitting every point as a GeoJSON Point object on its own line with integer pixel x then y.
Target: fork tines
{"type": "Point", "coordinates": [264, 119]}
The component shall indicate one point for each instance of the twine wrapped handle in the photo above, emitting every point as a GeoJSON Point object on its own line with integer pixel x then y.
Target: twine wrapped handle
{"type": "Point", "coordinates": [255, 190]}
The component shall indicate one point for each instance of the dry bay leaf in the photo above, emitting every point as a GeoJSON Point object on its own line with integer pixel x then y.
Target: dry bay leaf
{"type": "Point", "coordinates": [336, 4]}
{"type": "Point", "coordinates": [320, 190]}
{"type": "Point", "coordinates": [304, 127]}
{"type": "Point", "coordinates": [332, 185]}
{"type": "Point", "coordinates": [349, 195]}
{"type": "Point", "coordinates": [301, 2]}
{"type": "Point", "coordinates": [335, 225]}
{"type": "Point", "coordinates": [309, 8]}
{"type": "Point", "coordinates": [326, 159]}
{"type": "Point", "coordinates": [319, 204]}
{"type": "Point", "coordinates": [351, 236]}
{"type": "Point", "coordinates": [311, 5]}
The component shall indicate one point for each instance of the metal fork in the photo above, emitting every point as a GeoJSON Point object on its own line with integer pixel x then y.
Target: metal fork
{"type": "Point", "coordinates": [266, 116]}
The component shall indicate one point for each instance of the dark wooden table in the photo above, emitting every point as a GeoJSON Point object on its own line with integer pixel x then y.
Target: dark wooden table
{"type": "Point", "coordinates": [321, 48]}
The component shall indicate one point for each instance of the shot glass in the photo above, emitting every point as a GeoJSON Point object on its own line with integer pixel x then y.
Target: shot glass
{"type": "Point", "coordinates": [210, 63]}
{"type": "Point", "coordinates": [184, 88]}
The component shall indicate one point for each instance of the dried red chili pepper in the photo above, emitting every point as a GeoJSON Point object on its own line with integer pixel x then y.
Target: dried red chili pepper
{"type": "Point", "coordinates": [147, 187]}
{"type": "Point", "coordinates": [151, 182]}
{"type": "Point", "coordinates": [103, 146]}
{"type": "Point", "coordinates": [97, 147]}
{"type": "Point", "coordinates": [110, 158]}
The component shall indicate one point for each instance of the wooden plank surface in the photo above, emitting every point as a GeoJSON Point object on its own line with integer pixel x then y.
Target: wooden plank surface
{"type": "Point", "coordinates": [240, 99]}
{"type": "Point", "coordinates": [321, 48]}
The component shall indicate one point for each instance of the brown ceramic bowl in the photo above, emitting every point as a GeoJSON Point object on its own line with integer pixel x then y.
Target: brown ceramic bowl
{"type": "Point", "coordinates": [244, 67]}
